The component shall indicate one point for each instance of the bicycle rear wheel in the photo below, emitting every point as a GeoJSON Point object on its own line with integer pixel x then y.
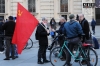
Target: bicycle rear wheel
{"type": "Point", "coordinates": [29, 44]}
{"type": "Point", "coordinates": [93, 57]}
{"type": "Point", "coordinates": [56, 57]}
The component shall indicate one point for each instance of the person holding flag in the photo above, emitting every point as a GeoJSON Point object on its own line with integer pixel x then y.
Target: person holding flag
{"type": "Point", "coordinates": [43, 32]}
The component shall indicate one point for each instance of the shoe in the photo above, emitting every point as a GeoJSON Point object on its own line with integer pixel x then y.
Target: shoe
{"type": "Point", "coordinates": [46, 61]}
{"type": "Point", "coordinates": [10, 57]}
{"type": "Point", "coordinates": [16, 56]}
{"type": "Point", "coordinates": [13, 58]}
{"type": "Point", "coordinates": [69, 65]}
{"type": "Point", "coordinates": [83, 62]}
{"type": "Point", "coordinates": [6, 59]}
{"type": "Point", "coordinates": [50, 47]}
{"type": "Point", "coordinates": [90, 64]}
{"type": "Point", "coordinates": [40, 62]}
{"type": "Point", "coordinates": [62, 59]}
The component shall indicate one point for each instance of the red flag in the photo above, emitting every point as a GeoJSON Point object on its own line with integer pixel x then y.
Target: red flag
{"type": "Point", "coordinates": [25, 25]}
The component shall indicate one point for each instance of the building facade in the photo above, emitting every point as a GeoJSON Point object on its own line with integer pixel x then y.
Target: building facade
{"type": "Point", "coordinates": [48, 8]}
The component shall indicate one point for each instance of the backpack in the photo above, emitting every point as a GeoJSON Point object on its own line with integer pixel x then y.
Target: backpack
{"type": "Point", "coordinates": [36, 34]}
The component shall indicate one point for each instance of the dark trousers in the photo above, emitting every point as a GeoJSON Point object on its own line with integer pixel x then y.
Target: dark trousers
{"type": "Point", "coordinates": [42, 53]}
{"type": "Point", "coordinates": [1, 44]}
{"type": "Point", "coordinates": [93, 29]}
{"type": "Point", "coordinates": [9, 46]}
{"type": "Point", "coordinates": [61, 42]}
{"type": "Point", "coordinates": [71, 47]}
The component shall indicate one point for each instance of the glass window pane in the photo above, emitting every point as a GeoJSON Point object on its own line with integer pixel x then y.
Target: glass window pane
{"type": "Point", "coordinates": [64, 5]}
{"type": "Point", "coordinates": [31, 5]}
{"type": "Point", "coordinates": [2, 6]}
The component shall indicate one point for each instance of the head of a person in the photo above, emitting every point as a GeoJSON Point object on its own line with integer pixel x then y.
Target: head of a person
{"type": "Point", "coordinates": [81, 17]}
{"type": "Point", "coordinates": [62, 20]}
{"type": "Point", "coordinates": [72, 17]}
{"type": "Point", "coordinates": [53, 20]}
{"type": "Point", "coordinates": [44, 20]}
{"type": "Point", "coordinates": [10, 18]}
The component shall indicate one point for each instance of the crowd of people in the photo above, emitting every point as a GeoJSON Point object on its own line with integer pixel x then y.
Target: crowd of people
{"type": "Point", "coordinates": [72, 29]}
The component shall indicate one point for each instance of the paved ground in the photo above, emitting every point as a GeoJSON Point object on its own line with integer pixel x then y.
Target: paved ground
{"type": "Point", "coordinates": [29, 57]}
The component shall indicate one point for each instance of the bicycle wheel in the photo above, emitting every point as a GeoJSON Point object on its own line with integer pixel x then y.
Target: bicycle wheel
{"type": "Point", "coordinates": [29, 44]}
{"type": "Point", "coordinates": [56, 57]}
{"type": "Point", "coordinates": [92, 58]}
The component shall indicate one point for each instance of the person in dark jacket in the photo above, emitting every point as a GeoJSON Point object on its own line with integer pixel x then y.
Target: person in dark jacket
{"type": "Point", "coordinates": [73, 30]}
{"type": "Point", "coordinates": [53, 26]}
{"type": "Point", "coordinates": [85, 26]}
{"type": "Point", "coordinates": [9, 30]}
{"type": "Point", "coordinates": [43, 33]}
{"type": "Point", "coordinates": [1, 36]}
{"type": "Point", "coordinates": [93, 23]}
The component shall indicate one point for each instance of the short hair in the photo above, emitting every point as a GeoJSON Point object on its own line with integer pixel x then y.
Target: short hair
{"type": "Point", "coordinates": [71, 16]}
{"type": "Point", "coordinates": [10, 17]}
{"type": "Point", "coordinates": [44, 18]}
{"type": "Point", "coordinates": [62, 18]}
{"type": "Point", "coordinates": [81, 15]}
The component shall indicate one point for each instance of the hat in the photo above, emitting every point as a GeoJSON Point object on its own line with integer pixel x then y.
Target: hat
{"type": "Point", "coordinates": [71, 16]}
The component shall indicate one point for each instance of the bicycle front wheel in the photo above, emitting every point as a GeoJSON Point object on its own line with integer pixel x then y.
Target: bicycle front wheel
{"type": "Point", "coordinates": [92, 57]}
{"type": "Point", "coordinates": [29, 44]}
{"type": "Point", "coordinates": [58, 57]}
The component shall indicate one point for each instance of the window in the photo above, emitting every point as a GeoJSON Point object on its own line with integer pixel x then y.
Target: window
{"type": "Point", "coordinates": [2, 6]}
{"type": "Point", "coordinates": [31, 6]}
{"type": "Point", "coordinates": [64, 5]}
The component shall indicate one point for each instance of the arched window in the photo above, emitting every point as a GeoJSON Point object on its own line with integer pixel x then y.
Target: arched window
{"type": "Point", "coordinates": [63, 5]}
{"type": "Point", "coordinates": [2, 6]}
{"type": "Point", "coordinates": [31, 6]}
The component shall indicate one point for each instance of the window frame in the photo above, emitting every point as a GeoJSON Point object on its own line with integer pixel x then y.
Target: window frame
{"type": "Point", "coordinates": [32, 6]}
{"type": "Point", "coordinates": [2, 6]}
{"type": "Point", "coordinates": [64, 7]}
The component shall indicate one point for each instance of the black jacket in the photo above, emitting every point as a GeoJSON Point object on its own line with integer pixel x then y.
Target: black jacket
{"type": "Point", "coordinates": [1, 30]}
{"type": "Point", "coordinates": [9, 28]}
{"type": "Point", "coordinates": [85, 28]}
{"type": "Point", "coordinates": [43, 39]}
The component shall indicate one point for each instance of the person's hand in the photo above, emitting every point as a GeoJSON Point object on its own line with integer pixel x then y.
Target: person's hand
{"type": "Point", "coordinates": [48, 31]}
{"type": "Point", "coordinates": [53, 30]}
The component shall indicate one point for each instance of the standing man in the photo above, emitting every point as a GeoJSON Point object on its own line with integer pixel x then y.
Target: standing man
{"type": "Point", "coordinates": [43, 33]}
{"type": "Point", "coordinates": [9, 30]}
{"type": "Point", "coordinates": [93, 23]}
{"type": "Point", "coordinates": [85, 26]}
{"type": "Point", "coordinates": [72, 30]}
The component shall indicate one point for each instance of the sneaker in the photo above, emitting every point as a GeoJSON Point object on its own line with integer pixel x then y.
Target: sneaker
{"type": "Point", "coordinates": [6, 59]}
{"type": "Point", "coordinates": [40, 62]}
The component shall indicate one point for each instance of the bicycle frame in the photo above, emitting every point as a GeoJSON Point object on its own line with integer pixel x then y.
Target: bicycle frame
{"type": "Point", "coordinates": [76, 54]}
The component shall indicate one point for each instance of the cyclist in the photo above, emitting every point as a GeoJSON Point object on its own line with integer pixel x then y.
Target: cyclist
{"type": "Point", "coordinates": [72, 30]}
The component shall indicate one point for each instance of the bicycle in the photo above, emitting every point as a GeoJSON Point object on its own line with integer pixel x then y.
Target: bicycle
{"type": "Point", "coordinates": [29, 44]}
{"type": "Point", "coordinates": [54, 43]}
{"type": "Point", "coordinates": [77, 56]}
